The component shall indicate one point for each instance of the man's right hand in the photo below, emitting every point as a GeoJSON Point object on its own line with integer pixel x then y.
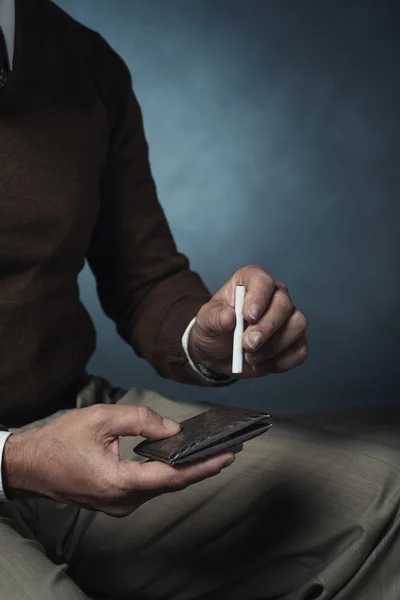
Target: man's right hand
{"type": "Point", "coordinates": [75, 459]}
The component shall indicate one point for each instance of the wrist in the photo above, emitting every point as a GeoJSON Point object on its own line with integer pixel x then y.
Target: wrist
{"type": "Point", "coordinates": [17, 465]}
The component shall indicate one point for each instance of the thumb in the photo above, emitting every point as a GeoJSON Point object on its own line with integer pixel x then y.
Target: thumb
{"type": "Point", "coordinates": [124, 420]}
{"type": "Point", "coordinates": [215, 318]}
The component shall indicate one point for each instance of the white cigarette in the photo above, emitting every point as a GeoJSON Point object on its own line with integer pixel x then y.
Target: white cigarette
{"type": "Point", "coordinates": [237, 353]}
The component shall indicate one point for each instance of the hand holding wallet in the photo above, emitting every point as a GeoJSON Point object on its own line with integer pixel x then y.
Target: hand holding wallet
{"type": "Point", "coordinates": [209, 433]}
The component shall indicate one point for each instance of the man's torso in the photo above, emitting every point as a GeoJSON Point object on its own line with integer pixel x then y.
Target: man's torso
{"type": "Point", "coordinates": [54, 134]}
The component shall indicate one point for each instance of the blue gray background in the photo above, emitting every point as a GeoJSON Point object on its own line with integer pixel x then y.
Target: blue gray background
{"type": "Point", "coordinates": [274, 136]}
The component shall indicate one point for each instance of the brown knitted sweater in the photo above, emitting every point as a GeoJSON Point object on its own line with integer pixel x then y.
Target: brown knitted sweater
{"type": "Point", "coordinates": [75, 184]}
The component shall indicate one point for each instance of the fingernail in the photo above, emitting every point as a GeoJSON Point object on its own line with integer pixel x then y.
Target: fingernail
{"type": "Point", "coordinates": [254, 311]}
{"type": "Point", "coordinates": [254, 339]}
{"type": "Point", "coordinates": [171, 425]}
{"type": "Point", "coordinates": [229, 462]}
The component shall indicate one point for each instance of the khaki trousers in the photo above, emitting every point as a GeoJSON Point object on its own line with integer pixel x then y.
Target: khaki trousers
{"type": "Point", "coordinates": [301, 515]}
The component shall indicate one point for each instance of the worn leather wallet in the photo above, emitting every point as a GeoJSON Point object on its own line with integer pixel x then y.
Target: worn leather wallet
{"type": "Point", "coordinates": [206, 434]}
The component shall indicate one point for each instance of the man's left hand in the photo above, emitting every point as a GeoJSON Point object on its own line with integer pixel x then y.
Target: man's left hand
{"type": "Point", "coordinates": [274, 340]}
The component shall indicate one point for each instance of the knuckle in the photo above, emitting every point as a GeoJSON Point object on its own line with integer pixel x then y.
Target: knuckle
{"type": "Point", "coordinates": [98, 413]}
{"type": "Point", "coordinates": [272, 327]}
{"type": "Point", "coordinates": [261, 272]}
{"type": "Point", "coordinates": [300, 321]}
{"type": "Point", "coordinates": [280, 285]}
{"type": "Point", "coordinates": [285, 303]}
{"type": "Point", "coordinates": [302, 353]}
{"type": "Point", "coordinates": [144, 413]}
{"type": "Point", "coordinates": [270, 281]}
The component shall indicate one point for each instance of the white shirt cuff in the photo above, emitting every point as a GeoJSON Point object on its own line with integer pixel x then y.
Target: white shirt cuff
{"type": "Point", "coordinates": [4, 435]}
{"type": "Point", "coordinates": [204, 373]}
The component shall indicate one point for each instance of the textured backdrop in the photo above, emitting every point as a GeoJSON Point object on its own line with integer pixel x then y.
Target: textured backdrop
{"type": "Point", "coordinates": [274, 136]}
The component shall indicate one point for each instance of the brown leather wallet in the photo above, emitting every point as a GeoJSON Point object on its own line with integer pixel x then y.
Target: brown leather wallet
{"type": "Point", "coordinates": [206, 434]}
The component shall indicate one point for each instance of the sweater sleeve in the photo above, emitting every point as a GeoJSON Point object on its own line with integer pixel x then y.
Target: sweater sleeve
{"type": "Point", "coordinates": [144, 284]}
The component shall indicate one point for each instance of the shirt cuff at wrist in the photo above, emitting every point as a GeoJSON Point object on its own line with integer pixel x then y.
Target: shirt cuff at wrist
{"type": "Point", "coordinates": [4, 435]}
{"type": "Point", "coordinates": [200, 369]}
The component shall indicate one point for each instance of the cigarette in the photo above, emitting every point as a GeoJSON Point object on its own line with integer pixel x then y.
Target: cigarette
{"type": "Point", "coordinates": [237, 353]}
